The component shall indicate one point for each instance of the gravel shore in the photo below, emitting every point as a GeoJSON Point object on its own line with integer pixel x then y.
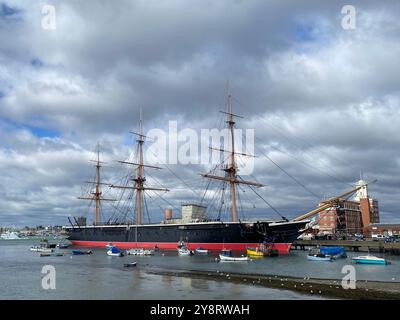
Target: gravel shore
{"type": "Point", "coordinates": [328, 288]}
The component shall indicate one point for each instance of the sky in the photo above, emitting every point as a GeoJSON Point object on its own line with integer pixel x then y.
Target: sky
{"type": "Point", "coordinates": [323, 100]}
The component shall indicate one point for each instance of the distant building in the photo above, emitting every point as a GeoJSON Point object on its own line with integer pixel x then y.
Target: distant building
{"type": "Point", "coordinates": [190, 212]}
{"type": "Point", "coordinates": [386, 229]}
{"type": "Point", "coordinates": [351, 216]}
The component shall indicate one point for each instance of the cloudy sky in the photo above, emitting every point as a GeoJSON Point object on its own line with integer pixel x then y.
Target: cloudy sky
{"type": "Point", "coordinates": [324, 101]}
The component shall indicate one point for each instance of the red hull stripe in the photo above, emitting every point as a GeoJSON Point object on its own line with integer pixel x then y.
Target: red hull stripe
{"type": "Point", "coordinates": [282, 248]}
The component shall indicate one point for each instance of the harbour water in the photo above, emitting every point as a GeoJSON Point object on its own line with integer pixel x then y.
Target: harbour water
{"type": "Point", "coordinates": [99, 276]}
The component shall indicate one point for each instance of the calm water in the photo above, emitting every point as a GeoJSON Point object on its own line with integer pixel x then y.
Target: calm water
{"type": "Point", "coordinates": [99, 276]}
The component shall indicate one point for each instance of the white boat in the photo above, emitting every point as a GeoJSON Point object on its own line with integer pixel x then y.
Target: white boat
{"type": "Point", "coordinates": [369, 260]}
{"type": "Point", "coordinates": [201, 250]}
{"type": "Point", "coordinates": [184, 251]}
{"type": "Point", "coordinates": [9, 235]}
{"type": "Point", "coordinates": [41, 249]}
{"type": "Point", "coordinates": [319, 257]}
{"type": "Point", "coordinates": [140, 252]}
{"type": "Point", "coordinates": [226, 255]}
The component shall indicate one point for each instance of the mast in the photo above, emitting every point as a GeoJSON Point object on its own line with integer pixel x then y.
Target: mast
{"type": "Point", "coordinates": [96, 195]}
{"type": "Point", "coordinates": [231, 169]}
{"type": "Point", "coordinates": [139, 179]}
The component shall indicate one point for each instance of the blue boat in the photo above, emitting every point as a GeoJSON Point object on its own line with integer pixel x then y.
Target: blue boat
{"type": "Point", "coordinates": [369, 260]}
{"type": "Point", "coordinates": [335, 252]}
{"type": "Point", "coordinates": [80, 252]}
{"type": "Point", "coordinates": [115, 252]}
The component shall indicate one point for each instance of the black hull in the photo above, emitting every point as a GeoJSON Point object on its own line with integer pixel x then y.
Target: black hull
{"type": "Point", "coordinates": [210, 235]}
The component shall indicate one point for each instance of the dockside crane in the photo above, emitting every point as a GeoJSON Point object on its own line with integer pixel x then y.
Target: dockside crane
{"type": "Point", "coordinates": [325, 204]}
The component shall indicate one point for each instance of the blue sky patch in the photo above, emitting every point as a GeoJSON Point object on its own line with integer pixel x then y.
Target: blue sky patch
{"type": "Point", "coordinates": [7, 11]}
{"type": "Point", "coordinates": [43, 132]}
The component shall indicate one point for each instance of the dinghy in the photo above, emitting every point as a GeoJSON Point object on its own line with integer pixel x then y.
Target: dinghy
{"type": "Point", "coordinates": [41, 249]}
{"type": "Point", "coordinates": [115, 252]}
{"type": "Point", "coordinates": [201, 250]}
{"type": "Point", "coordinates": [140, 252]}
{"type": "Point", "coordinates": [319, 257]}
{"type": "Point", "coordinates": [81, 252]}
{"type": "Point", "coordinates": [131, 264]}
{"type": "Point", "coordinates": [184, 251]}
{"type": "Point", "coordinates": [226, 255]}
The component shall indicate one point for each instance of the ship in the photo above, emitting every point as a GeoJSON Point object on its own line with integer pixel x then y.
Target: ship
{"type": "Point", "coordinates": [194, 228]}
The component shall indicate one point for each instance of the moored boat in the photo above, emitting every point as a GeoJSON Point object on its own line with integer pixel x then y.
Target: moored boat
{"type": "Point", "coordinates": [254, 252]}
{"type": "Point", "coordinates": [131, 264]}
{"type": "Point", "coordinates": [81, 252]}
{"type": "Point", "coordinates": [201, 250]}
{"type": "Point", "coordinates": [226, 255]}
{"type": "Point", "coordinates": [115, 252]}
{"type": "Point", "coordinates": [63, 245]}
{"type": "Point", "coordinates": [369, 259]}
{"type": "Point", "coordinates": [140, 252]}
{"type": "Point", "coordinates": [319, 257]}
{"type": "Point", "coordinates": [41, 249]}
{"type": "Point", "coordinates": [184, 251]}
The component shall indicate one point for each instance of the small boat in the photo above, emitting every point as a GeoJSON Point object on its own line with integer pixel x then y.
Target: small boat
{"type": "Point", "coordinates": [45, 243]}
{"type": "Point", "coordinates": [184, 251]}
{"type": "Point", "coordinates": [51, 254]}
{"type": "Point", "coordinates": [81, 252]}
{"type": "Point", "coordinates": [319, 257]}
{"type": "Point", "coordinates": [115, 252]}
{"type": "Point", "coordinates": [226, 255]}
{"type": "Point", "coordinates": [45, 254]}
{"type": "Point", "coordinates": [63, 245]}
{"type": "Point", "coordinates": [254, 252]}
{"type": "Point", "coordinates": [41, 249]}
{"type": "Point", "coordinates": [201, 250]}
{"type": "Point", "coordinates": [131, 264]}
{"type": "Point", "coordinates": [140, 252]}
{"type": "Point", "coordinates": [369, 260]}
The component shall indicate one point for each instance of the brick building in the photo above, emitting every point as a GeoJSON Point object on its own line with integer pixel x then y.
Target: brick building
{"type": "Point", "coordinates": [351, 216]}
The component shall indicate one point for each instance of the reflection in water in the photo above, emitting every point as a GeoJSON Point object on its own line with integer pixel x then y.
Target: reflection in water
{"type": "Point", "coordinates": [200, 284]}
{"type": "Point", "coordinates": [167, 280]}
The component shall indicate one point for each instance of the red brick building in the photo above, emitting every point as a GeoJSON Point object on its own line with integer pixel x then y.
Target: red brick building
{"type": "Point", "coordinates": [351, 216]}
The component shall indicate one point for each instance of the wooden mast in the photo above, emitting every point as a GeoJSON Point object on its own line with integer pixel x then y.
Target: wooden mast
{"type": "Point", "coordinates": [139, 179]}
{"type": "Point", "coordinates": [231, 169]}
{"type": "Point", "coordinates": [97, 193]}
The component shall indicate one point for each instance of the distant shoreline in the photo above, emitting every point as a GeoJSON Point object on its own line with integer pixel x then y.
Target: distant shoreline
{"type": "Point", "coordinates": [327, 288]}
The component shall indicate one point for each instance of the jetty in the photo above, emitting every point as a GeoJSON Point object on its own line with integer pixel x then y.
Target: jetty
{"type": "Point", "coordinates": [353, 245]}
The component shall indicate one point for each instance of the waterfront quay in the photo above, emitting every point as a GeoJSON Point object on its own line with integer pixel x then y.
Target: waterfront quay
{"type": "Point", "coordinates": [356, 246]}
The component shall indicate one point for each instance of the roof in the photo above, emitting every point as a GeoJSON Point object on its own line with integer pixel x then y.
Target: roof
{"type": "Point", "coordinates": [385, 225]}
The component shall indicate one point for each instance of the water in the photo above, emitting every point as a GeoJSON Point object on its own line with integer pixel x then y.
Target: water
{"type": "Point", "coordinates": [99, 276]}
